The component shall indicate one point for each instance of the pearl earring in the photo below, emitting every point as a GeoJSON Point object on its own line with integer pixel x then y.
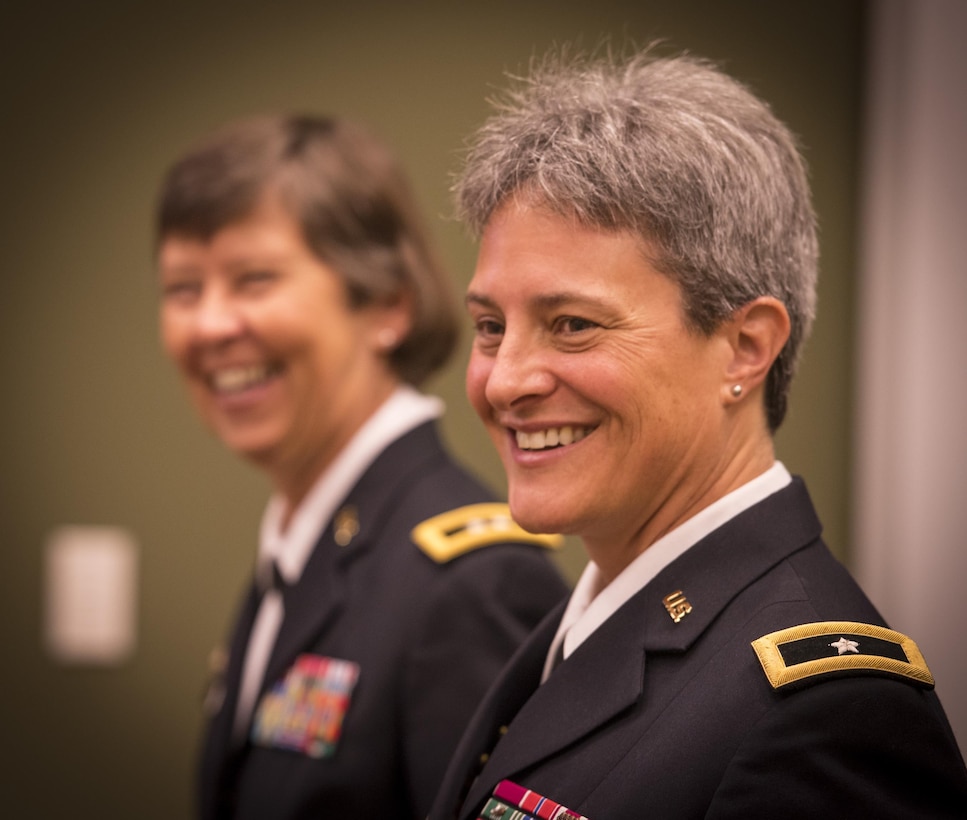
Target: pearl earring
{"type": "Point", "coordinates": [736, 390]}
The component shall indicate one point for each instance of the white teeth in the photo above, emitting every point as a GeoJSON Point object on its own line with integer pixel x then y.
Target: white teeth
{"type": "Point", "coordinates": [551, 437]}
{"type": "Point", "coordinates": [236, 379]}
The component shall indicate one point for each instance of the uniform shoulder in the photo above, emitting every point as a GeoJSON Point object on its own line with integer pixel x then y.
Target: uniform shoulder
{"type": "Point", "coordinates": [810, 653]}
{"type": "Point", "coordinates": [464, 529]}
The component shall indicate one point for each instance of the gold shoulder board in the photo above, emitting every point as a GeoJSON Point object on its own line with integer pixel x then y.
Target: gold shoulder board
{"type": "Point", "coordinates": [458, 531]}
{"type": "Point", "coordinates": [810, 651]}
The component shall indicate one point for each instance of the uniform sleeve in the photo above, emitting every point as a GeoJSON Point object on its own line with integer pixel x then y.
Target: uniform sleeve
{"type": "Point", "coordinates": [858, 747]}
{"type": "Point", "coordinates": [478, 613]}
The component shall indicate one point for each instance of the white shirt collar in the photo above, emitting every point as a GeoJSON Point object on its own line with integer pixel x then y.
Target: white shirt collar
{"type": "Point", "coordinates": [403, 411]}
{"type": "Point", "coordinates": [592, 602]}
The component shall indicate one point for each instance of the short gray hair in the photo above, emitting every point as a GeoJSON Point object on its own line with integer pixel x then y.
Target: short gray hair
{"type": "Point", "coordinates": [677, 152]}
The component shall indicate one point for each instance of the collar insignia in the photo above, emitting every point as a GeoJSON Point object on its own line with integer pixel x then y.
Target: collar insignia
{"type": "Point", "coordinates": [677, 605]}
{"type": "Point", "coordinates": [345, 525]}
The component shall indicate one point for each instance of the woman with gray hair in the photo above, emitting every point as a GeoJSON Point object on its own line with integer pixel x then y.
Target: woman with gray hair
{"type": "Point", "coordinates": [303, 306]}
{"type": "Point", "coordinates": [645, 282]}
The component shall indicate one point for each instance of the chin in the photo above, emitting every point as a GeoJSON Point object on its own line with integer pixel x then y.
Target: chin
{"type": "Point", "coordinates": [537, 517]}
{"type": "Point", "coordinates": [256, 449]}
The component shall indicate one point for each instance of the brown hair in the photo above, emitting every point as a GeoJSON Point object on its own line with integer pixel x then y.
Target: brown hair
{"type": "Point", "coordinates": [353, 202]}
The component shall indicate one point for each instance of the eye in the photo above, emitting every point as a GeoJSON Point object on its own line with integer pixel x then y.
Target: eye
{"type": "Point", "coordinates": [255, 280]}
{"type": "Point", "coordinates": [572, 325]}
{"type": "Point", "coordinates": [180, 291]}
{"type": "Point", "coordinates": [488, 331]}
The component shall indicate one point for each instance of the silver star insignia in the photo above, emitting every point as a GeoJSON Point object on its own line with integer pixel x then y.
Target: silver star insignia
{"type": "Point", "coordinates": [843, 646]}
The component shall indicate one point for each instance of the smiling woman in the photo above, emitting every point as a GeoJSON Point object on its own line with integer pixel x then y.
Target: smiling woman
{"type": "Point", "coordinates": [303, 306]}
{"type": "Point", "coordinates": [277, 361]}
{"type": "Point", "coordinates": [580, 333]}
{"type": "Point", "coordinates": [644, 284]}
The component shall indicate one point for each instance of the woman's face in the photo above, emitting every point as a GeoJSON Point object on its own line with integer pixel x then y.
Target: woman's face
{"type": "Point", "coordinates": [275, 361]}
{"type": "Point", "coordinates": [607, 411]}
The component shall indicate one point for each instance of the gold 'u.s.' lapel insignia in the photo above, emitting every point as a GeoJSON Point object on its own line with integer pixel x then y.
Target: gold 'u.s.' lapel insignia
{"type": "Point", "coordinates": [806, 653]}
{"type": "Point", "coordinates": [677, 605]}
{"type": "Point", "coordinates": [459, 531]}
{"type": "Point", "coordinates": [345, 525]}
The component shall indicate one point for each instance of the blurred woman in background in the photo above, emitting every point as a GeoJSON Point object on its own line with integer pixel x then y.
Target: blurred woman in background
{"type": "Point", "coordinates": [303, 306]}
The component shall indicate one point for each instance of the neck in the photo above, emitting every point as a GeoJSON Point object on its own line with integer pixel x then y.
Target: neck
{"type": "Point", "coordinates": [296, 474]}
{"type": "Point", "coordinates": [613, 551]}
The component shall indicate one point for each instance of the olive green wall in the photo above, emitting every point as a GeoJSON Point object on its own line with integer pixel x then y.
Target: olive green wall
{"type": "Point", "coordinates": [98, 98]}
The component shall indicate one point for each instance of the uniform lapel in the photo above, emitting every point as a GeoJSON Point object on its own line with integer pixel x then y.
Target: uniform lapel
{"type": "Point", "coordinates": [605, 675]}
{"type": "Point", "coordinates": [574, 701]}
{"type": "Point", "coordinates": [218, 752]}
{"type": "Point", "coordinates": [309, 605]}
{"type": "Point", "coordinates": [314, 603]}
{"type": "Point", "coordinates": [517, 681]}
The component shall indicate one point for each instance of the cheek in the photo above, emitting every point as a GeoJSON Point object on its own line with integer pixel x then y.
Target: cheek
{"type": "Point", "coordinates": [172, 337]}
{"type": "Point", "coordinates": [617, 382]}
{"type": "Point", "coordinates": [478, 371]}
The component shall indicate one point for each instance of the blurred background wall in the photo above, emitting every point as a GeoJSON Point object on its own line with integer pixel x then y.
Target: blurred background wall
{"type": "Point", "coordinates": [909, 519]}
{"type": "Point", "coordinates": [98, 98]}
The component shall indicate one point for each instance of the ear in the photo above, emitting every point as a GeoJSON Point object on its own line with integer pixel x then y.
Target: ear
{"type": "Point", "coordinates": [756, 333]}
{"type": "Point", "coordinates": [390, 322]}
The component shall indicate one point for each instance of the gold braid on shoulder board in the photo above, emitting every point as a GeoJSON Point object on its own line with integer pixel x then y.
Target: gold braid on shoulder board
{"type": "Point", "coordinates": [811, 652]}
{"type": "Point", "coordinates": [456, 532]}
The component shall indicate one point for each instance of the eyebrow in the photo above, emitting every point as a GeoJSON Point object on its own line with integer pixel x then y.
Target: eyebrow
{"type": "Point", "coordinates": [544, 300]}
{"type": "Point", "coordinates": [237, 264]}
{"type": "Point", "coordinates": [177, 269]}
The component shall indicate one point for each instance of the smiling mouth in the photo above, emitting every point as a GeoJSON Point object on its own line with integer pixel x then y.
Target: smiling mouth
{"type": "Point", "coordinates": [231, 380]}
{"type": "Point", "coordinates": [551, 437]}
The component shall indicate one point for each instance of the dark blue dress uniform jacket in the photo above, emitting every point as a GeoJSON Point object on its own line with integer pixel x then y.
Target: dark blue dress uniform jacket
{"type": "Point", "coordinates": [655, 719]}
{"type": "Point", "coordinates": [429, 638]}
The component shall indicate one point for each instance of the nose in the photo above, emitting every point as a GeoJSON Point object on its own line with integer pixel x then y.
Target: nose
{"type": "Point", "coordinates": [216, 317]}
{"type": "Point", "coordinates": [519, 372]}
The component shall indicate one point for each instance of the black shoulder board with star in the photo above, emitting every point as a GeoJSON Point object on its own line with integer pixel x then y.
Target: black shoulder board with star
{"type": "Point", "coordinates": [810, 652]}
{"type": "Point", "coordinates": [458, 531]}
